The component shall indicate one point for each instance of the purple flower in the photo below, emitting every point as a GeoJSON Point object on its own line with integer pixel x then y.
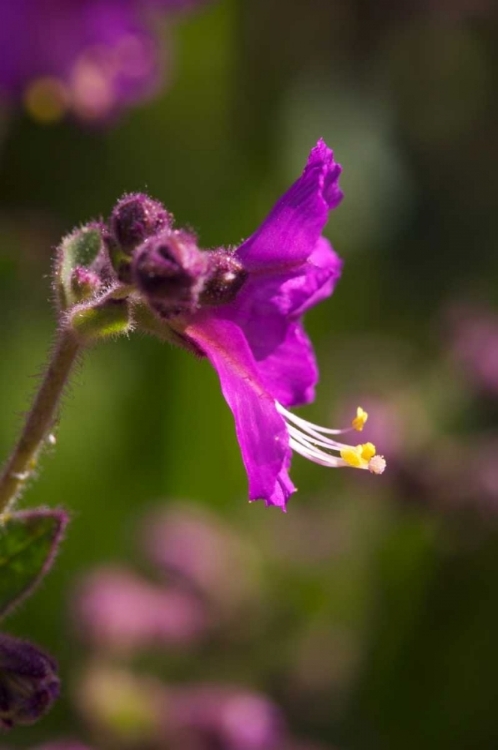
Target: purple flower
{"type": "Point", "coordinates": [28, 682]}
{"type": "Point", "coordinates": [257, 343]}
{"type": "Point", "coordinates": [118, 611]}
{"type": "Point", "coordinates": [90, 57]}
{"type": "Point", "coordinates": [224, 717]}
{"type": "Point", "coordinates": [203, 555]}
{"type": "Point", "coordinates": [473, 337]}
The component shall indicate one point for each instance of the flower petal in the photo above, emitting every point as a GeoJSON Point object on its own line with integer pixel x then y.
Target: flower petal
{"type": "Point", "coordinates": [266, 310]}
{"type": "Point", "coordinates": [289, 372]}
{"type": "Point", "coordinates": [261, 431]}
{"type": "Point", "coordinates": [321, 274]}
{"type": "Point", "coordinates": [291, 231]}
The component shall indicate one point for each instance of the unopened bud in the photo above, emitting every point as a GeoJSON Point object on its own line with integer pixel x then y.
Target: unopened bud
{"type": "Point", "coordinates": [226, 276]}
{"type": "Point", "coordinates": [84, 283]}
{"type": "Point", "coordinates": [135, 218]}
{"type": "Point", "coordinates": [170, 271]}
{"type": "Point", "coordinates": [80, 266]}
{"type": "Point", "coordinates": [28, 682]}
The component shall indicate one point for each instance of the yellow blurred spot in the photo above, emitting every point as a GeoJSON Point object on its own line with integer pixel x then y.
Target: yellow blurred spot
{"type": "Point", "coordinates": [358, 422]}
{"type": "Point", "coordinates": [46, 100]}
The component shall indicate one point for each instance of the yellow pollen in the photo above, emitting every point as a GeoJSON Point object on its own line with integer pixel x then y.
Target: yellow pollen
{"type": "Point", "coordinates": [353, 457]}
{"type": "Point", "coordinates": [46, 99]}
{"type": "Point", "coordinates": [358, 422]}
{"type": "Point", "coordinates": [367, 451]}
{"type": "Point", "coordinates": [358, 456]}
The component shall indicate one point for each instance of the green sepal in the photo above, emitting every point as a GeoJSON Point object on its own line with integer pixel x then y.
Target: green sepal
{"type": "Point", "coordinates": [108, 318]}
{"type": "Point", "coordinates": [146, 321]}
{"type": "Point", "coordinates": [29, 541]}
{"type": "Point", "coordinates": [77, 250]}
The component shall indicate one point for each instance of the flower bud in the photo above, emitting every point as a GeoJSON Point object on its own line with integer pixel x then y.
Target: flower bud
{"type": "Point", "coordinates": [84, 283]}
{"type": "Point", "coordinates": [28, 682]}
{"type": "Point", "coordinates": [226, 276]}
{"type": "Point", "coordinates": [81, 267]}
{"type": "Point", "coordinates": [170, 270]}
{"type": "Point", "coordinates": [135, 218]}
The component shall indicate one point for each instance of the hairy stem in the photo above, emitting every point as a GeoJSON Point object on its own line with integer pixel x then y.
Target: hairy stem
{"type": "Point", "coordinates": [40, 419]}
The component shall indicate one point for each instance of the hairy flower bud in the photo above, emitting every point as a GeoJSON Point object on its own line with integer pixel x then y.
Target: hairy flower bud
{"type": "Point", "coordinates": [170, 271]}
{"type": "Point", "coordinates": [135, 218]}
{"type": "Point", "coordinates": [82, 267]}
{"type": "Point", "coordinates": [226, 276]}
{"type": "Point", "coordinates": [28, 682]}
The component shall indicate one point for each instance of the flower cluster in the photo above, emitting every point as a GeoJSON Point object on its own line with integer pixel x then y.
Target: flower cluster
{"type": "Point", "coordinates": [92, 58]}
{"type": "Point", "coordinates": [197, 559]}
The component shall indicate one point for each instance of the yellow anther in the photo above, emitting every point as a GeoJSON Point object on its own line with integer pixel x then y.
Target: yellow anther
{"type": "Point", "coordinates": [353, 457]}
{"type": "Point", "coordinates": [358, 422]}
{"type": "Point", "coordinates": [358, 456]}
{"type": "Point", "coordinates": [367, 451]}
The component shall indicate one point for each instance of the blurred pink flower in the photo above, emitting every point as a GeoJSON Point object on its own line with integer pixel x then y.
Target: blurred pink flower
{"type": "Point", "coordinates": [224, 717]}
{"type": "Point", "coordinates": [117, 610]}
{"type": "Point", "coordinates": [473, 337]}
{"type": "Point", "coordinates": [92, 58]}
{"type": "Point", "coordinates": [197, 550]}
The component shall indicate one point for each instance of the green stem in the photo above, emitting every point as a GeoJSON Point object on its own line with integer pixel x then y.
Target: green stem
{"type": "Point", "coordinates": [40, 420]}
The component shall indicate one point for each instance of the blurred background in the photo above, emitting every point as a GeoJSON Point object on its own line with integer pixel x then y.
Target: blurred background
{"type": "Point", "coordinates": [367, 616]}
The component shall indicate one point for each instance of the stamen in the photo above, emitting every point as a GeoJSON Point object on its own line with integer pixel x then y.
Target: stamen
{"type": "Point", "coordinates": [377, 465]}
{"type": "Point", "coordinates": [359, 421]}
{"type": "Point", "coordinates": [310, 441]}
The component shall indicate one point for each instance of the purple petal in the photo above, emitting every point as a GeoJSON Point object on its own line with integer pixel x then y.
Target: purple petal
{"type": "Point", "coordinates": [321, 274]}
{"type": "Point", "coordinates": [289, 372]}
{"type": "Point", "coordinates": [292, 230]}
{"type": "Point", "coordinates": [261, 431]}
{"type": "Point", "coordinates": [266, 308]}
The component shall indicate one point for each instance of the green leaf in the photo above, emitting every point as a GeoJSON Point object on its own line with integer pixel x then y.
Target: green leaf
{"type": "Point", "coordinates": [29, 541]}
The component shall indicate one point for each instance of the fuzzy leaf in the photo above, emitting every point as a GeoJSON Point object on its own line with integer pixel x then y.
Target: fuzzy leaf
{"type": "Point", "coordinates": [29, 541]}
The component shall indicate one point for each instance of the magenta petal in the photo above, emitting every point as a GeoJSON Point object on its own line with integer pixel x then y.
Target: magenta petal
{"type": "Point", "coordinates": [267, 310]}
{"type": "Point", "coordinates": [261, 431]}
{"type": "Point", "coordinates": [290, 372]}
{"type": "Point", "coordinates": [322, 272]}
{"type": "Point", "coordinates": [291, 231]}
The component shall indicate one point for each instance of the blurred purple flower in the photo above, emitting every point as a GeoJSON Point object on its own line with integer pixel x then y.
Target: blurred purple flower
{"type": "Point", "coordinates": [28, 682]}
{"type": "Point", "coordinates": [118, 611]}
{"type": "Point", "coordinates": [198, 551]}
{"type": "Point", "coordinates": [194, 717]}
{"type": "Point", "coordinates": [257, 343]}
{"type": "Point", "coordinates": [90, 57]}
{"type": "Point", "coordinates": [473, 339]}
{"type": "Point", "coordinates": [224, 717]}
